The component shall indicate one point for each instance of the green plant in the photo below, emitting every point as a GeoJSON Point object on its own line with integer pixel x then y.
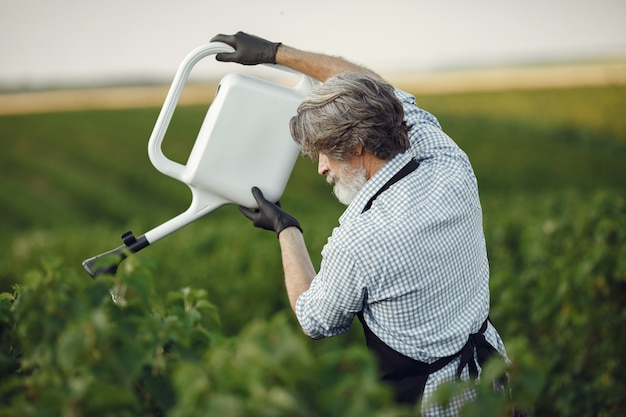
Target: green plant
{"type": "Point", "coordinates": [68, 349]}
{"type": "Point", "coordinates": [559, 280]}
{"type": "Point", "coordinates": [75, 347]}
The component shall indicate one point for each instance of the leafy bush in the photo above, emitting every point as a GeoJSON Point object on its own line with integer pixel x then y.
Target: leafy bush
{"type": "Point", "coordinates": [558, 280]}
{"type": "Point", "coordinates": [559, 284]}
{"type": "Point", "coordinates": [69, 349]}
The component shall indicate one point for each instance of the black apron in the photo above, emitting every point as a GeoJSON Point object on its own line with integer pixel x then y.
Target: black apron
{"type": "Point", "coordinates": [406, 375]}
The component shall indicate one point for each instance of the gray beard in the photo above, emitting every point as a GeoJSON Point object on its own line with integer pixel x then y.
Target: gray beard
{"type": "Point", "coordinates": [348, 183]}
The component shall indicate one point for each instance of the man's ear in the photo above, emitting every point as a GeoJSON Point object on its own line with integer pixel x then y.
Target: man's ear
{"type": "Point", "coordinates": [358, 151]}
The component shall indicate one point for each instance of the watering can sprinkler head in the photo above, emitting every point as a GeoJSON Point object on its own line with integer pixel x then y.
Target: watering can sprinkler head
{"type": "Point", "coordinates": [107, 263]}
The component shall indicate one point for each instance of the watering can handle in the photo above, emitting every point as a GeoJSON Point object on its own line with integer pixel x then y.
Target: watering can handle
{"type": "Point", "coordinates": [158, 159]}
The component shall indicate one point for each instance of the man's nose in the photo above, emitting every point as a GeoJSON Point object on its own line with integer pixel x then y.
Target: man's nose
{"type": "Point", "coordinates": [322, 164]}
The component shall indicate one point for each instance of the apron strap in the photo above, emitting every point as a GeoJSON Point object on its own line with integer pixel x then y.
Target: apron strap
{"type": "Point", "coordinates": [406, 170]}
{"type": "Point", "coordinates": [484, 351]}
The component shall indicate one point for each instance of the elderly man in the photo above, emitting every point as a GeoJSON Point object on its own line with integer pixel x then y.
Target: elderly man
{"type": "Point", "coordinates": [408, 257]}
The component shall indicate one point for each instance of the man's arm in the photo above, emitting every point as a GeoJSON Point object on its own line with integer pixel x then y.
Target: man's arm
{"type": "Point", "coordinates": [297, 265]}
{"type": "Point", "coordinates": [252, 50]}
{"type": "Point", "coordinates": [318, 66]}
{"type": "Point", "coordinates": [299, 271]}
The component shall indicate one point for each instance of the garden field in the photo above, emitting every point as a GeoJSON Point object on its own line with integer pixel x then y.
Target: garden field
{"type": "Point", "coordinates": [202, 325]}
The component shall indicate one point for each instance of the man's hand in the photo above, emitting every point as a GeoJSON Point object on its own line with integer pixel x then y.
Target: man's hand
{"type": "Point", "coordinates": [269, 216]}
{"type": "Point", "coordinates": [249, 49]}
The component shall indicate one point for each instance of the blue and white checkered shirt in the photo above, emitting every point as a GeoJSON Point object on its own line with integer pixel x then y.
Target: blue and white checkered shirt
{"type": "Point", "coordinates": [415, 263]}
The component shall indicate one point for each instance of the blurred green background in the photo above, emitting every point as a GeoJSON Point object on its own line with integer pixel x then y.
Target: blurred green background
{"type": "Point", "coordinates": [552, 176]}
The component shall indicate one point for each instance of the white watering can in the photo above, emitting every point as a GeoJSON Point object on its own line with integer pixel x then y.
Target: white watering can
{"type": "Point", "coordinates": [243, 142]}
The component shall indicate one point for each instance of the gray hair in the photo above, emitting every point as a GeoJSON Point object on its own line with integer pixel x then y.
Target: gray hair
{"type": "Point", "coordinates": [347, 110]}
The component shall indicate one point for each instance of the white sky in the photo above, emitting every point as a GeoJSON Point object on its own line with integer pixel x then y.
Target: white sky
{"type": "Point", "coordinates": [65, 41]}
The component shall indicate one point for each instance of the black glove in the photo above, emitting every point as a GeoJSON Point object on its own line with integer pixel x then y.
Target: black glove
{"type": "Point", "coordinates": [268, 216]}
{"type": "Point", "coordinates": [249, 49]}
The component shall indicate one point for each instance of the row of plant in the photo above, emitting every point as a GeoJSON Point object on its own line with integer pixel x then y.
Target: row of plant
{"type": "Point", "coordinates": [558, 281]}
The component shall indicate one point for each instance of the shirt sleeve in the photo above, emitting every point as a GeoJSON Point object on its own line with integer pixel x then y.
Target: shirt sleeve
{"type": "Point", "coordinates": [335, 296]}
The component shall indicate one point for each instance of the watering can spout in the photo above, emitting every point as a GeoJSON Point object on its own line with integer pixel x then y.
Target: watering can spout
{"type": "Point", "coordinates": [107, 263]}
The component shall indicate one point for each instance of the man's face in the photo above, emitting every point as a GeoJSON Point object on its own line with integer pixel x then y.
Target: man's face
{"type": "Point", "coordinates": [347, 180]}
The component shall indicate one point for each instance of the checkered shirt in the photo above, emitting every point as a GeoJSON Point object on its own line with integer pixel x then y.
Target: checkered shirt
{"type": "Point", "coordinates": [415, 263]}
